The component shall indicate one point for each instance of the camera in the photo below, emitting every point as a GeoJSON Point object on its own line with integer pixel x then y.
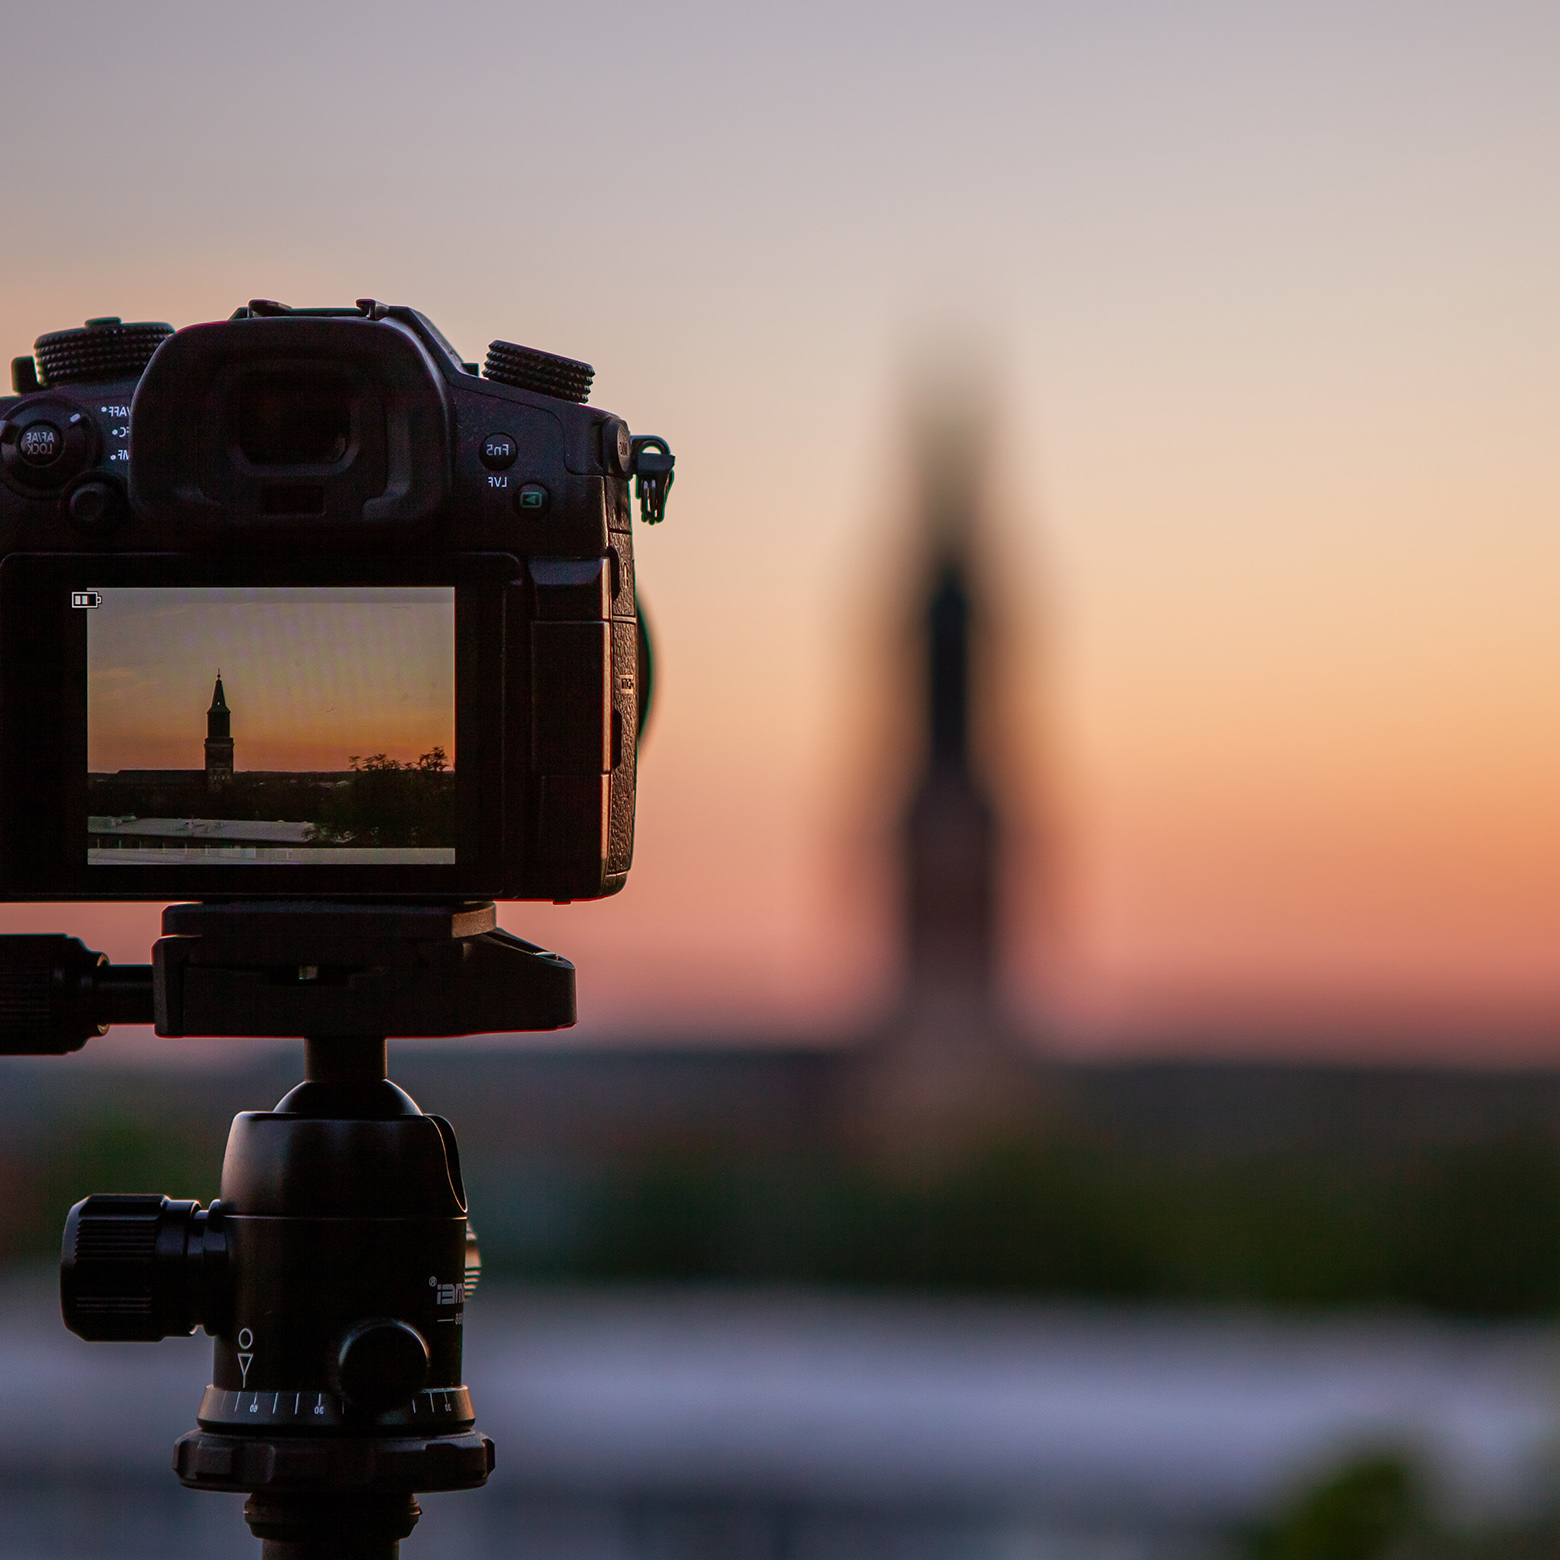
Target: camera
{"type": "Point", "coordinates": [302, 605]}
{"type": "Point", "coordinates": [309, 621]}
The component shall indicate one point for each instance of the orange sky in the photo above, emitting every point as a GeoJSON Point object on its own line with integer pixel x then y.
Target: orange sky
{"type": "Point", "coordinates": [1268, 302]}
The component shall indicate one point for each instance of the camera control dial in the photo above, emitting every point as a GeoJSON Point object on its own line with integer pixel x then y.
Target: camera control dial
{"type": "Point", "coordinates": [103, 350]}
{"type": "Point", "coordinates": [544, 372]}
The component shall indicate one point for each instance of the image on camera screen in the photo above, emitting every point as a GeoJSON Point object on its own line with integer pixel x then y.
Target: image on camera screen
{"type": "Point", "coordinates": [294, 726]}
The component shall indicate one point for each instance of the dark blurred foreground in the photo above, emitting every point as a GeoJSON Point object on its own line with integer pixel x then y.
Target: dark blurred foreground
{"type": "Point", "coordinates": [1378, 1505]}
{"type": "Point", "coordinates": [1034, 1339]}
{"type": "Point", "coordinates": [682, 1422]}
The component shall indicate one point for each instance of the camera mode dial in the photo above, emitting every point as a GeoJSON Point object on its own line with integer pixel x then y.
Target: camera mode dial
{"type": "Point", "coordinates": [544, 372]}
{"type": "Point", "coordinates": [101, 351]}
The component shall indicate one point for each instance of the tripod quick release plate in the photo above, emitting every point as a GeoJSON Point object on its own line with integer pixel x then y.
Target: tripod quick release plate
{"type": "Point", "coordinates": [279, 968]}
{"type": "Point", "coordinates": [326, 968]}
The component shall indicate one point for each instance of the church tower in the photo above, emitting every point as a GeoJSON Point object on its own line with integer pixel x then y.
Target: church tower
{"type": "Point", "coordinates": [219, 740]}
{"type": "Point", "coordinates": [950, 831]}
{"type": "Point", "coordinates": [947, 1062]}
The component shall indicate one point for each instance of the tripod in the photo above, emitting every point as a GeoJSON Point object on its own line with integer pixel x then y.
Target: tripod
{"type": "Point", "coordinates": [333, 1270]}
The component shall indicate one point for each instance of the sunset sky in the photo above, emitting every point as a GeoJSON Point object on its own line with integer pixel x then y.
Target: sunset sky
{"type": "Point", "coordinates": [1264, 302]}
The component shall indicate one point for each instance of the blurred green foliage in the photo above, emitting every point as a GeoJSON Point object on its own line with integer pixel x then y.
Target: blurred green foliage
{"type": "Point", "coordinates": [1378, 1506]}
{"type": "Point", "coordinates": [42, 1174]}
{"type": "Point", "coordinates": [1471, 1230]}
{"type": "Point", "coordinates": [1368, 1509]}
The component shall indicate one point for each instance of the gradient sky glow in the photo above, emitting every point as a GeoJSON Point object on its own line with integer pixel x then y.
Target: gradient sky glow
{"type": "Point", "coordinates": [1268, 296]}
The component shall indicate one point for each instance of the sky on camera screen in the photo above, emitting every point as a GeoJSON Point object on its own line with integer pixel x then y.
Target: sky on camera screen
{"type": "Point", "coordinates": [311, 676]}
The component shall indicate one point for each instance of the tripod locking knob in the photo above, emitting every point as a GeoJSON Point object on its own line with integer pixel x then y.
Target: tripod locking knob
{"type": "Point", "coordinates": [381, 1365]}
{"type": "Point", "coordinates": [56, 994]}
{"type": "Point", "coordinates": [139, 1267]}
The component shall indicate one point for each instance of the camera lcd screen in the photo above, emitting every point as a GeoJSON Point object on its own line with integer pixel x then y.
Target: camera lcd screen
{"type": "Point", "coordinates": [287, 726]}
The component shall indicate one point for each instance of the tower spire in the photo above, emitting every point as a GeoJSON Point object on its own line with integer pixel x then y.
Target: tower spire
{"type": "Point", "coordinates": [219, 739]}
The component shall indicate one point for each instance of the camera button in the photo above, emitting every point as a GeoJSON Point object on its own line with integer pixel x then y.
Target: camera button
{"type": "Point", "coordinates": [533, 499]}
{"type": "Point", "coordinates": [43, 444]}
{"type": "Point", "coordinates": [40, 444]}
{"type": "Point", "coordinates": [499, 451]}
{"type": "Point", "coordinates": [95, 503]}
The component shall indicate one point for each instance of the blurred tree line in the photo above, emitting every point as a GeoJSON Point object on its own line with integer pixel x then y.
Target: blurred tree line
{"type": "Point", "coordinates": [1470, 1230]}
{"type": "Point", "coordinates": [1379, 1505]}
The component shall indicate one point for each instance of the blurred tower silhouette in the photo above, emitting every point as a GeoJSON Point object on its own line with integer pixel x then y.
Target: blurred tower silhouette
{"type": "Point", "coordinates": [950, 832]}
{"type": "Point", "coordinates": [945, 1060]}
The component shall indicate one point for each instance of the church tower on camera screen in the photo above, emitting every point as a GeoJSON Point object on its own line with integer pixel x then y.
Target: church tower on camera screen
{"type": "Point", "coordinates": [219, 740]}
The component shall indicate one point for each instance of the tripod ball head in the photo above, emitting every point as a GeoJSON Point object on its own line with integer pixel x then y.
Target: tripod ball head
{"type": "Point", "coordinates": [332, 1275]}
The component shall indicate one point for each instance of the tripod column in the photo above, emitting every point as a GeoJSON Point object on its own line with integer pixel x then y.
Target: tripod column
{"type": "Point", "coordinates": [344, 1058]}
{"type": "Point", "coordinates": [330, 1527]}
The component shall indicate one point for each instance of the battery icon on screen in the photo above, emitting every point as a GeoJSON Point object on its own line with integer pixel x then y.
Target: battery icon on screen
{"type": "Point", "coordinates": [86, 598]}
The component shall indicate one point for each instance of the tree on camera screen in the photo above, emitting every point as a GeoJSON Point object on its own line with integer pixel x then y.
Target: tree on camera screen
{"type": "Point", "coordinates": [293, 726]}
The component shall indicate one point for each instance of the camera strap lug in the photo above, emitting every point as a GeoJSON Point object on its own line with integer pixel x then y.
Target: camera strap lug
{"type": "Point", "coordinates": [652, 468]}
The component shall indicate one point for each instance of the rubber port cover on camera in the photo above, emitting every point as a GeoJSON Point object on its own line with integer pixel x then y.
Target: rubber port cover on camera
{"type": "Point", "coordinates": [617, 447]}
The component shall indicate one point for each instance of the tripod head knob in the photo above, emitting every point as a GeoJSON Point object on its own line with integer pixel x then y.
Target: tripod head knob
{"type": "Point", "coordinates": [56, 994]}
{"type": "Point", "coordinates": [381, 1365]}
{"type": "Point", "coordinates": [139, 1267]}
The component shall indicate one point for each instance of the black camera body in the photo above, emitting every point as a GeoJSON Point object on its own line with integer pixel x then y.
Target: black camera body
{"type": "Point", "coordinates": [406, 589]}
